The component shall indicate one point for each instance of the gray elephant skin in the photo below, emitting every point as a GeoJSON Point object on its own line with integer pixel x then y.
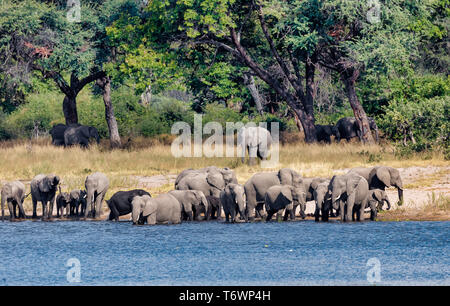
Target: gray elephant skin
{"type": "Point", "coordinates": [210, 180]}
{"type": "Point", "coordinates": [349, 194]}
{"type": "Point", "coordinates": [78, 202]}
{"type": "Point", "coordinates": [80, 135]}
{"type": "Point", "coordinates": [43, 189]}
{"type": "Point", "coordinates": [57, 133]}
{"type": "Point", "coordinates": [281, 198]}
{"type": "Point", "coordinates": [193, 203]}
{"type": "Point", "coordinates": [120, 203]}
{"type": "Point", "coordinates": [256, 140]}
{"type": "Point", "coordinates": [322, 199]}
{"type": "Point", "coordinates": [380, 177]}
{"type": "Point", "coordinates": [96, 185]}
{"type": "Point", "coordinates": [376, 199]}
{"type": "Point", "coordinates": [348, 128]}
{"type": "Point", "coordinates": [232, 199]}
{"type": "Point", "coordinates": [164, 208]}
{"type": "Point", "coordinates": [13, 193]}
{"type": "Point", "coordinates": [256, 188]}
{"type": "Point", "coordinates": [324, 133]}
{"type": "Point", "coordinates": [62, 204]}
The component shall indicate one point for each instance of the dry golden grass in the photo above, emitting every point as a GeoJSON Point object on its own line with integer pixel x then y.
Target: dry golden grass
{"type": "Point", "coordinates": [22, 160]}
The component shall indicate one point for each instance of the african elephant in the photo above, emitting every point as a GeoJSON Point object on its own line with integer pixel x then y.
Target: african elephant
{"type": "Point", "coordinates": [13, 193]}
{"type": "Point", "coordinates": [78, 202]}
{"type": "Point", "coordinates": [323, 201]}
{"type": "Point", "coordinates": [215, 208]}
{"type": "Point", "coordinates": [232, 199]}
{"type": "Point", "coordinates": [62, 202]}
{"type": "Point", "coordinates": [348, 128]}
{"type": "Point", "coordinates": [310, 184]}
{"type": "Point", "coordinates": [257, 140]}
{"type": "Point", "coordinates": [210, 180]}
{"type": "Point", "coordinates": [349, 192]}
{"type": "Point", "coordinates": [57, 133]}
{"type": "Point", "coordinates": [120, 203]}
{"type": "Point", "coordinates": [43, 189]}
{"type": "Point", "coordinates": [256, 188]}
{"type": "Point", "coordinates": [376, 199]}
{"type": "Point", "coordinates": [324, 133]}
{"type": "Point", "coordinates": [96, 185]}
{"type": "Point", "coordinates": [161, 209]}
{"type": "Point", "coordinates": [284, 197]}
{"type": "Point", "coordinates": [380, 177]}
{"type": "Point", "coordinates": [80, 135]}
{"type": "Point", "coordinates": [193, 203]}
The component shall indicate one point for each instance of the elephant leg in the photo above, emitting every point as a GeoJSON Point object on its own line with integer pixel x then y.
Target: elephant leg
{"type": "Point", "coordinates": [151, 219]}
{"type": "Point", "coordinates": [232, 215]}
{"type": "Point", "coordinates": [350, 204]}
{"type": "Point", "coordinates": [269, 215]}
{"type": "Point", "coordinates": [317, 214]}
{"type": "Point", "coordinates": [252, 153]}
{"type": "Point", "coordinates": [342, 210]}
{"type": "Point", "coordinates": [98, 205]}
{"type": "Point", "coordinates": [11, 208]}
{"type": "Point", "coordinates": [279, 215]}
{"type": "Point", "coordinates": [227, 217]}
{"type": "Point", "coordinates": [34, 207]}
{"type": "Point", "coordinates": [361, 210]}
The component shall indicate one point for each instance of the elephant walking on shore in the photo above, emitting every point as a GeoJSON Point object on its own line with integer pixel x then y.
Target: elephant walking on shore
{"type": "Point", "coordinates": [43, 189]}
{"type": "Point", "coordinates": [164, 208]}
{"type": "Point", "coordinates": [257, 140]}
{"type": "Point", "coordinates": [96, 185]}
{"type": "Point", "coordinates": [13, 193]}
{"type": "Point", "coordinates": [324, 133]}
{"type": "Point", "coordinates": [80, 135]}
{"type": "Point", "coordinates": [348, 128]}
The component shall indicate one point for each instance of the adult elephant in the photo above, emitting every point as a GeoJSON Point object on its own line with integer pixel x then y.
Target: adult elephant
{"type": "Point", "coordinates": [193, 203]}
{"type": "Point", "coordinates": [210, 180]}
{"type": "Point", "coordinates": [380, 177]}
{"type": "Point", "coordinates": [324, 133]}
{"type": "Point", "coordinates": [348, 128]}
{"type": "Point", "coordinates": [349, 194]}
{"type": "Point", "coordinates": [80, 135]}
{"type": "Point", "coordinates": [43, 189]}
{"type": "Point", "coordinates": [164, 208]}
{"type": "Point", "coordinates": [257, 140]}
{"type": "Point", "coordinates": [284, 197]}
{"type": "Point", "coordinates": [310, 184]}
{"type": "Point", "coordinates": [96, 185]}
{"type": "Point", "coordinates": [57, 133]}
{"type": "Point", "coordinates": [232, 199]}
{"type": "Point", "coordinates": [120, 203]}
{"type": "Point", "coordinates": [257, 186]}
{"type": "Point", "coordinates": [13, 193]}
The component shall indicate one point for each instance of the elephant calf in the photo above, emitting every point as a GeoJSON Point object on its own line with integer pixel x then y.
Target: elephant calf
{"type": "Point", "coordinates": [161, 209]}
{"type": "Point", "coordinates": [215, 207]}
{"type": "Point", "coordinates": [232, 199]}
{"type": "Point", "coordinates": [284, 197]}
{"type": "Point", "coordinates": [78, 202]}
{"type": "Point", "coordinates": [376, 199]}
{"type": "Point", "coordinates": [323, 201]}
{"type": "Point", "coordinates": [62, 202]}
{"type": "Point", "coordinates": [193, 203]}
{"type": "Point", "coordinates": [13, 193]}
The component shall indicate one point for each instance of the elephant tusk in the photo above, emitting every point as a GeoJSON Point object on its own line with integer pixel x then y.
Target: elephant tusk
{"type": "Point", "coordinates": [337, 198]}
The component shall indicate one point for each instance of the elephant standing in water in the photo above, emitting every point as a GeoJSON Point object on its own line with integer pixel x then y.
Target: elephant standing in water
{"type": "Point", "coordinates": [78, 202]}
{"type": "Point", "coordinates": [324, 133]}
{"type": "Point", "coordinates": [193, 203]}
{"type": "Point", "coordinates": [348, 128]}
{"type": "Point", "coordinates": [257, 140]}
{"type": "Point", "coordinates": [210, 180]}
{"type": "Point", "coordinates": [161, 209]}
{"type": "Point", "coordinates": [97, 185]}
{"type": "Point", "coordinates": [323, 201]}
{"type": "Point", "coordinates": [43, 189]}
{"type": "Point", "coordinates": [232, 200]}
{"type": "Point", "coordinates": [381, 177]}
{"type": "Point", "coordinates": [257, 186]}
{"type": "Point", "coordinates": [376, 199]}
{"type": "Point", "coordinates": [13, 193]}
{"type": "Point", "coordinates": [80, 135]}
{"type": "Point", "coordinates": [62, 202]}
{"type": "Point", "coordinates": [349, 194]}
{"type": "Point", "coordinates": [120, 203]}
{"type": "Point", "coordinates": [284, 197]}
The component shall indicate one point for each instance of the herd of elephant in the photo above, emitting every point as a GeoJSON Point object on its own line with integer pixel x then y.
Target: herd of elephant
{"type": "Point", "coordinates": [345, 128]}
{"type": "Point", "coordinates": [202, 194]}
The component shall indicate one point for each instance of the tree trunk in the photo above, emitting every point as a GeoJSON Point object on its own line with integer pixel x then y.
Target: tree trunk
{"type": "Point", "coordinates": [105, 84]}
{"type": "Point", "coordinates": [349, 79]}
{"type": "Point", "coordinates": [249, 81]}
{"type": "Point", "coordinates": [70, 108]}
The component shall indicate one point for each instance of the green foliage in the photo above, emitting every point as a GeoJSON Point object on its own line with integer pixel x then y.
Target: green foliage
{"type": "Point", "coordinates": [221, 114]}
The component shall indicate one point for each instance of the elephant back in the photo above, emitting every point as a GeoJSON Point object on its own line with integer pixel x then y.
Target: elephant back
{"type": "Point", "coordinates": [278, 197]}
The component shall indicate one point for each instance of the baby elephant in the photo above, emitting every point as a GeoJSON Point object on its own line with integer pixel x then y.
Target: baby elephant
{"type": "Point", "coordinates": [376, 199]}
{"type": "Point", "coordinates": [161, 209]}
{"type": "Point", "coordinates": [193, 203]}
{"type": "Point", "coordinates": [78, 202]}
{"type": "Point", "coordinates": [62, 202]}
{"type": "Point", "coordinates": [284, 197]}
{"type": "Point", "coordinates": [232, 199]}
{"type": "Point", "coordinates": [323, 201]}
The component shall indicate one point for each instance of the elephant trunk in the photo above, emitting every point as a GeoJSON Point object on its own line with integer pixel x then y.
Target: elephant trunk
{"type": "Point", "coordinates": [388, 203]}
{"type": "Point", "coordinates": [135, 213]}
{"type": "Point", "coordinates": [400, 196]}
{"type": "Point", "coordinates": [207, 208]}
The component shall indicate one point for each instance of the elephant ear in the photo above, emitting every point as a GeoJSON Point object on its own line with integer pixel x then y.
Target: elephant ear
{"type": "Point", "coordinates": [215, 179]}
{"type": "Point", "coordinates": [352, 183]}
{"type": "Point", "coordinates": [149, 207]}
{"type": "Point", "coordinates": [44, 185]}
{"type": "Point", "coordinates": [377, 195]}
{"type": "Point", "coordinates": [285, 196]}
{"type": "Point", "coordinates": [384, 176]}
{"type": "Point", "coordinates": [285, 176]}
{"type": "Point", "coordinates": [315, 183]}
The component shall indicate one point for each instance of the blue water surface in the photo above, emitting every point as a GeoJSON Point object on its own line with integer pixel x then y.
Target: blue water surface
{"type": "Point", "coordinates": [215, 253]}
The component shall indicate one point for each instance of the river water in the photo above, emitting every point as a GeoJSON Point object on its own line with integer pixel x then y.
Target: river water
{"type": "Point", "coordinates": [214, 253]}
